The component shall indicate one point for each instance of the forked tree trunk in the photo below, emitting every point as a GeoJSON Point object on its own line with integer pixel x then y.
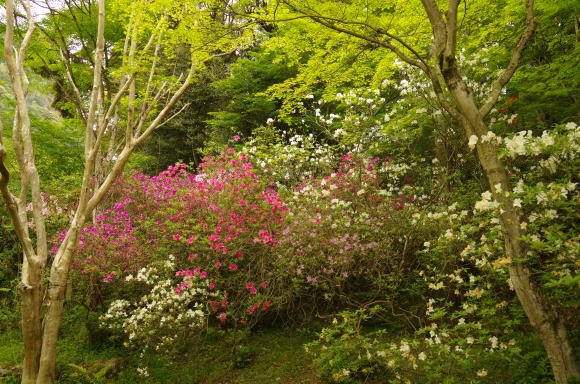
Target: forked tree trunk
{"type": "Point", "coordinates": [40, 334]}
{"type": "Point", "coordinates": [542, 315]}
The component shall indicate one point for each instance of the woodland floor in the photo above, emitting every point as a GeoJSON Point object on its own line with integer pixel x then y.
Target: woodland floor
{"type": "Point", "coordinates": [268, 356]}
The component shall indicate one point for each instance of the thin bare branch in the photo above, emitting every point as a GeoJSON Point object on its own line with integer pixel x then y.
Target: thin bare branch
{"type": "Point", "coordinates": [174, 115]}
{"type": "Point", "coordinates": [78, 99]}
{"type": "Point", "coordinates": [506, 75]}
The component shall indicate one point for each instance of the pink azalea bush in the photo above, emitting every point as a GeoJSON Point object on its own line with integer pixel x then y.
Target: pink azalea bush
{"type": "Point", "coordinates": [350, 234]}
{"type": "Point", "coordinates": [220, 223]}
{"type": "Point", "coordinates": [338, 239]}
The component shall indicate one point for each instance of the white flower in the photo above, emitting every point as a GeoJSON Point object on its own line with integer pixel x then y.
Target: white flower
{"type": "Point", "coordinates": [518, 203]}
{"type": "Point", "coordinates": [547, 139]}
{"type": "Point", "coordinates": [422, 356]}
{"type": "Point", "coordinates": [516, 145]}
{"type": "Point", "coordinates": [472, 141]}
{"type": "Point", "coordinates": [494, 342]}
{"type": "Point", "coordinates": [482, 373]}
{"type": "Point", "coordinates": [488, 137]}
{"type": "Point", "coordinates": [541, 197]}
{"type": "Point", "coordinates": [404, 348]}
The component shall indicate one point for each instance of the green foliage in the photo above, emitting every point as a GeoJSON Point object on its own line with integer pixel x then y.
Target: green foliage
{"type": "Point", "coordinates": [342, 352]}
{"type": "Point", "coordinates": [247, 107]}
{"type": "Point", "coordinates": [57, 142]}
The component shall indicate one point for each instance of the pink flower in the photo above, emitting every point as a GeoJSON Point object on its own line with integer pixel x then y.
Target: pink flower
{"type": "Point", "coordinates": [236, 138]}
{"type": "Point", "coordinates": [218, 265]}
{"type": "Point", "coordinates": [253, 291]}
{"type": "Point", "coordinates": [233, 267]}
{"type": "Point", "coordinates": [243, 203]}
{"type": "Point", "coordinates": [176, 237]}
{"type": "Point", "coordinates": [192, 256]}
{"type": "Point", "coordinates": [108, 277]}
{"type": "Point", "coordinates": [211, 285]}
{"type": "Point", "coordinates": [222, 317]}
{"type": "Point", "coordinates": [203, 274]}
{"type": "Point", "coordinates": [250, 285]}
{"type": "Point", "coordinates": [225, 304]}
{"type": "Point", "coordinates": [263, 285]}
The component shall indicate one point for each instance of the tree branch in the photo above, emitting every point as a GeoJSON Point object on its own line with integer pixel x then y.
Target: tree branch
{"type": "Point", "coordinates": [451, 28]}
{"type": "Point", "coordinates": [437, 24]}
{"type": "Point", "coordinates": [329, 23]}
{"type": "Point", "coordinates": [11, 204]}
{"type": "Point", "coordinates": [506, 75]}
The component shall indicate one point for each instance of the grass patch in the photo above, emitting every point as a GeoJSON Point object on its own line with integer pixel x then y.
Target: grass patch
{"type": "Point", "coordinates": [271, 356]}
{"type": "Point", "coordinates": [11, 348]}
{"type": "Point", "coordinates": [268, 356]}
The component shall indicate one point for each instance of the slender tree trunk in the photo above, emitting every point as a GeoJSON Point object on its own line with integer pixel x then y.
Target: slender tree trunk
{"type": "Point", "coordinates": [31, 304]}
{"type": "Point", "coordinates": [56, 295]}
{"type": "Point", "coordinates": [542, 315]}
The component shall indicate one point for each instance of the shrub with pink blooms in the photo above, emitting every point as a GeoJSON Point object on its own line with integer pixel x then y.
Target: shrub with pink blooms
{"type": "Point", "coordinates": [336, 240]}
{"type": "Point", "coordinates": [221, 222]}
{"type": "Point", "coordinates": [350, 238]}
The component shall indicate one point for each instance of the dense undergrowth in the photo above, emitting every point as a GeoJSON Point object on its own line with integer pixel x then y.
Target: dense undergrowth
{"type": "Point", "coordinates": [220, 261]}
{"type": "Point", "coordinates": [330, 222]}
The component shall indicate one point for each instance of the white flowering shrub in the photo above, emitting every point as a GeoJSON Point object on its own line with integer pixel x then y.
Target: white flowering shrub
{"type": "Point", "coordinates": [472, 328]}
{"type": "Point", "coordinates": [173, 304]}
{"type": "Point", "coordinates": [288, 163]}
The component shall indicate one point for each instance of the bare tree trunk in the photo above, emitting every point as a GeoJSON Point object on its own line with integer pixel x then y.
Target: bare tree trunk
{"type": "Point", "coordinates": [52, 319]}
{"type": "Point", "coordinates": [31, 304]}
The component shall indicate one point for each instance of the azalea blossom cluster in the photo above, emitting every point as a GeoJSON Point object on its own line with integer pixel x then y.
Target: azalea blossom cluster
{"type": "Point", "coordinates": [337, 229]}
{"type": "Point", "coordinates": [170, 302]}
{"type": "Point", "coordinates": [220, 223]}
{"type": "Point", "coordinates": [287, 163]}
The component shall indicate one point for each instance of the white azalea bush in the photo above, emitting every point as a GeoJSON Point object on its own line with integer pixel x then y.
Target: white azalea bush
{"type": "Point", "coordinates": [473, 328]}
{"type": "Point", "coordinates": [288, 161]}
{"type": "Point", "coordinates": [173, 304]}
